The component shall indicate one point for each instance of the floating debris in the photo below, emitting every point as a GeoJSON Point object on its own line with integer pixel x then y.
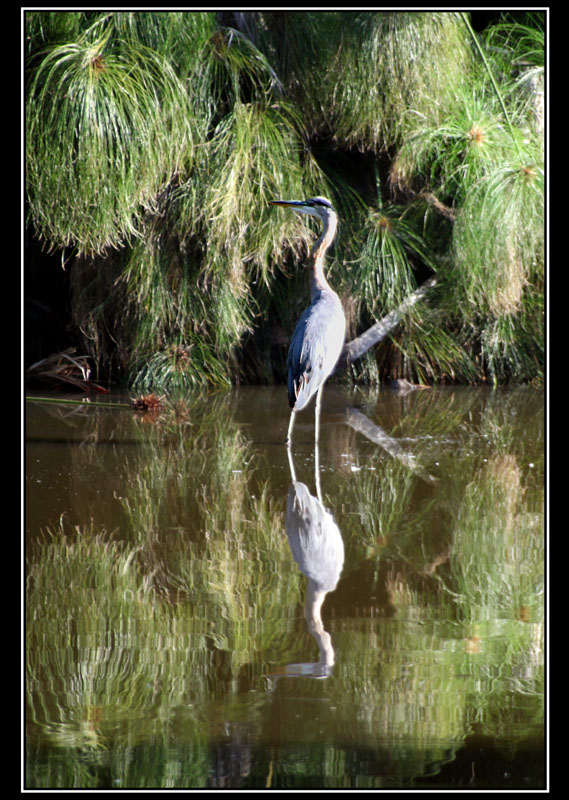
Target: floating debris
{"type": "Point", "coordinates": [148, 402]}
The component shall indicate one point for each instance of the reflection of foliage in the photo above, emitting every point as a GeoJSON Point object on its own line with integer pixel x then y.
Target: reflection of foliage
{"type": "Point", "coordinates": [133, 655]}
{"type": "Point", "coordinates": [216, 568]}
{"type": "Point", "coordinates": [157, 641]}
{"type": "Point", "coordinates": [103, 604]}
{"type": "Point", "coordinates": [153, 617]}
{"type": "Point", "coordinates": [381, 514]}
{"type": "Point", "coordinates": [463, 557]}
{"type": "Point", "coordinates": [500, 572]}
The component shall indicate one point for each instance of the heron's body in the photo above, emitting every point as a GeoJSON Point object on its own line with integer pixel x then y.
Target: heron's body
{"type": "Point", "coordinates": [315, 346]}
{"type": "Point", "coordinates": [318, 338]}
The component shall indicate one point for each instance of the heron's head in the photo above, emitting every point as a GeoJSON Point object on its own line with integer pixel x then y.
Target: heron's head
{"type": "Point", "coordinates": [315, 206]}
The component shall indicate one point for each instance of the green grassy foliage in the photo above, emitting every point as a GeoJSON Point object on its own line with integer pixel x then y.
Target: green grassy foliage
{"type": "Point", "coordinates": [154, 141]}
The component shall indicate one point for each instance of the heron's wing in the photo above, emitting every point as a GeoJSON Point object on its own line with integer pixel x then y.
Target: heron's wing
{"type": "Point", "coordinates": [302, 359]}
{"type": "Point", "coordinates": [315, 347]}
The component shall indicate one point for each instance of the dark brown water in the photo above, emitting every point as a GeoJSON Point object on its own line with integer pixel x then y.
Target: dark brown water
{"type": "Point", "coordinates": [195, 618]}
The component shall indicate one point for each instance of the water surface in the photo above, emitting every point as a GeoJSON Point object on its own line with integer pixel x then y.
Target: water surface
{"type": "Point", "coordinates": [203, 611]}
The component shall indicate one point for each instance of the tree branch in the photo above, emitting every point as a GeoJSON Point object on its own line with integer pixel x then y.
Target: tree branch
{"type": "Point", "coordinates": [361, 344]}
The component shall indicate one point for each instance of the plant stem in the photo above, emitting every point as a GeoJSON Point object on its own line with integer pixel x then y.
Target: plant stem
{"type": "Point", "coordinates": [464, 15]}
{"type": "Point", "coordinates": [67, 401]}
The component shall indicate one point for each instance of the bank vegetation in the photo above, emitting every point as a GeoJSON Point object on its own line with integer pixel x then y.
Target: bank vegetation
{"type": "Point", "coordinates": [154, 141]}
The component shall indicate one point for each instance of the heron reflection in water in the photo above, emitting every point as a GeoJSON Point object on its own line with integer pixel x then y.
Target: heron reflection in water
{"type": "Point", "coordinates": [318, 549]}
{"type": "Point", "coordinates": [319, 335]}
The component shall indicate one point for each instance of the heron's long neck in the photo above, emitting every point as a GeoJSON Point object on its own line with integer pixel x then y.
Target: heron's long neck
{"type": "Point", "coordinates": [316, 258]}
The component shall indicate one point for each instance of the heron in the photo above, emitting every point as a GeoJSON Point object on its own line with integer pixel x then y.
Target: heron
{"type": "Point", "coordinates": [318, 548]}
{"type": "Point", "coordinates": [319, 335]}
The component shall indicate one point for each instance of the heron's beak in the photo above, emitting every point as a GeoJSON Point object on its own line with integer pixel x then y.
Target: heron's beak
{"type": "Point", "coordinates": [294, 205]}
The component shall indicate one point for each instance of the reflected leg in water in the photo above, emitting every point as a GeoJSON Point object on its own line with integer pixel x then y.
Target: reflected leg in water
{"type": "Point", "coordinates": [290, 427]}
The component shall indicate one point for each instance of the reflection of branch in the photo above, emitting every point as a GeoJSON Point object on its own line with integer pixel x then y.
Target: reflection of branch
{"type": "Point", "coordinates": [359, 422]}
{"type": "Point", "coordinates": [361, 344]}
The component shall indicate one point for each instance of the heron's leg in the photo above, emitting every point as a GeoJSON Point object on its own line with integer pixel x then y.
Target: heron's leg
{"type": "Point", "coordinates": [290, 426]}
{"type": "Point", "coordinates": [317, 413]}
{"type": "Point", "coordinates": [317, 471]}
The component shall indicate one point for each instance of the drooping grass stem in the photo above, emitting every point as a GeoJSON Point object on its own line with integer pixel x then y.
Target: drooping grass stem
{"type": "Point", "coordinates": [488, 69]}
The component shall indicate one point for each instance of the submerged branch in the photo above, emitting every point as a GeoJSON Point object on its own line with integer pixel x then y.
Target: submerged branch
{"type": "Point", "coordinates": [361, 344]}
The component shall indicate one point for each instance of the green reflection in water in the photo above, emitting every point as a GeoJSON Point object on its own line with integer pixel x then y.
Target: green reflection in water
{"type": "Point", "coordinates": [156, 617]}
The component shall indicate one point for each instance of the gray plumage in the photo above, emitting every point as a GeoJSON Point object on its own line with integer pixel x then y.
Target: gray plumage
{"type": "Point", "coordinates": [315, 346]}
{"type": "Point", "coordinates": [318, 338]}
{"type": "Point", "coordinates": [314, 537]}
